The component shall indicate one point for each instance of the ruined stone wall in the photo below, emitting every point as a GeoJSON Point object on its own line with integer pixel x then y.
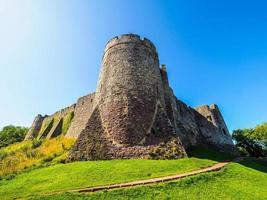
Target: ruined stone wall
{"type": "Point", "coordinates": [206, 111]}
{"type": "Point", "coordinates": [48, 126]}
{"type": "Point", "coordinates": [129, 87]}
{"type": "Point", "coordinates": [213, 115]}
{"type": "Point", "coordinates": [35, 127]}
{"type": "Point", "coordinates": [55, 122]}
{"type": "Point", "coordinates": [170, 103]}
{"type": "Point", "coordinates": [187, 126]}
{"type": "Point", "coordinates": [202, 126]}
{"type": "Point", "coordinates": [82, 113]}
{"type": "Point", "coordinates": [218, 118]}
{"type": "Point", "coordinates": [208, 132]}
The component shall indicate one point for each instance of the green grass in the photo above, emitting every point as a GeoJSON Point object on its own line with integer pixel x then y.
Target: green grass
{"type": "Point", "coordinates": [247, 180]}
{"type": "Point", "coordinates": [93, 173]}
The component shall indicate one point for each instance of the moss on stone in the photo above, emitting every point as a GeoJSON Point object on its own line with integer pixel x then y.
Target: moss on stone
{"type": "Point", "coordinates": [168, 150]}
{"type": "Point", "coordinates": [67, 122]}
{"type": "Point", "coordinates": [48, 122]}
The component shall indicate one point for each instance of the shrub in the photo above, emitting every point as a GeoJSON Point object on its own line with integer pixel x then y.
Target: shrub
{"type": "Point", "coordinates": [11, 134]}
{"type": "Point", "coordinates": [167, 150]}
{"type": "Point", "coordinates": [25, 148]}
{"type": "Point", "coordinates": [252, 142]}
{"type": "Point", "coordinates": [32, 153]}
{"type": "Point", "coordinates": [3, 155]}
{"type": "Point", "coordinates": [27, 155]}
{"type": "Point", "coordinates": [36, 143]}
{"type": "Point", "coordinates": [49, 158]}
{"type": "Point", "coordinates": [61, 159]}
{"type": "Point", "coordinates": [10, 176]}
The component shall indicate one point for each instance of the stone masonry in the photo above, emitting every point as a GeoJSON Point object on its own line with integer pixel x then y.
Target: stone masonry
{"type": "Point", "coordinates": [134, 112]}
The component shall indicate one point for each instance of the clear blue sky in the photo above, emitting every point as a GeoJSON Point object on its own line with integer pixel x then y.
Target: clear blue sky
{"type": "Point", "coordinates": [215, 51]}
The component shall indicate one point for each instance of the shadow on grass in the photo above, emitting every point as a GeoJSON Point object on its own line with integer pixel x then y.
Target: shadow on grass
{"type": "Point", "coordinates": [208, 153]}
{"type": "Point", "coordinates": [259, 164]}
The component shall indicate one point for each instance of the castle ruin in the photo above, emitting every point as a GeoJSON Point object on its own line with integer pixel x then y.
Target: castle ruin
{"type": "Point", "coordinates": [134, 113]}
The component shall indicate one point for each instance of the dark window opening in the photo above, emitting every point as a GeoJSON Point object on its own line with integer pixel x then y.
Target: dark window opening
{"type": "Point", "coordinates": [153, 131]}
{"type": "Point", "coordinates": [224, 131]}
{"type": "Point", "coordinates": [209, 118]}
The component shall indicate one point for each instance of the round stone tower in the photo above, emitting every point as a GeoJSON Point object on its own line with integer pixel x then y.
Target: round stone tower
{"type": "Point", "coordinates": [129, 89]}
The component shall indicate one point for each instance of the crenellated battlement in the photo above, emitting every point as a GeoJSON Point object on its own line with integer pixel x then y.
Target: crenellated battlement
{"type": "Point", "coordinates": [129, 38]}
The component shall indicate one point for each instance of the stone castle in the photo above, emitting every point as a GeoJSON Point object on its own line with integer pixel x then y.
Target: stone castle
{"type": "Point", "coordinates": [134, 113]}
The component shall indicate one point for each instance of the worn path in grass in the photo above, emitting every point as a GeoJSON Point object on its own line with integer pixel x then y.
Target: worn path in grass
{"type": "Point", "coordinates": [215, 167]}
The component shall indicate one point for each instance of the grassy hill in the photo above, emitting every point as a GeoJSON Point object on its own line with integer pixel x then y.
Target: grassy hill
{"type": "Point", "coordinates": [27, 155]}
{"type": "Point", "coordinates": [36, 170]}
{"type": "Point", "coordinates": [247, 180]}
{"type": "Point", "coordinates": [93, 173]}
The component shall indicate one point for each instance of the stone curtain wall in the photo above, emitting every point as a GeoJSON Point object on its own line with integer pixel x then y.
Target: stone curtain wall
{"type": "Point", "coordinates": [82, 113]}
{"type": "Point", "coordinates": [48, 126]}
{"type": "Point", "coordinates": [195, 128]}
{"type": "Point", "coordinates": [35, 128]}
{"type": "Point", "coordinates": [213, 115]}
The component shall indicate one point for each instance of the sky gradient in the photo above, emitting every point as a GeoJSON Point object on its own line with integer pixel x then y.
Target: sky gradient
{"type": "Point", "coordinates": [215, 52]}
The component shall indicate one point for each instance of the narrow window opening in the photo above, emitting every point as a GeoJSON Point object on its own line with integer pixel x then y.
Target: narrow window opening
{"type": "Point", "coordinates": [209, 118]}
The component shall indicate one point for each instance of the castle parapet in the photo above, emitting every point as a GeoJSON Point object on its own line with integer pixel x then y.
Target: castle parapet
{"type": "Point", "coordinates": [130, 38]}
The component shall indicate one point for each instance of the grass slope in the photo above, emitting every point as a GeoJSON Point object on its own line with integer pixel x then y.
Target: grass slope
{"type": "Point", "coordinates": [93, 173]}
{"type": "Point", "coordinates": [247, 180]}
{"type": "Point", "coordinates": [25, 155]}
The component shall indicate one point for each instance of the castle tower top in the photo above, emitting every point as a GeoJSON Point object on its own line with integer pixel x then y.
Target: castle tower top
{"type": "Point", "coordinates": [129, 38]}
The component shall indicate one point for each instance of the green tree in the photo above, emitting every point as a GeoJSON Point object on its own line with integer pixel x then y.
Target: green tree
{"type": "Point", "coordinates": [252, 142]}
{"type": "Point", "coordinates": [11, 134]}
{"type": "Point", "coordinates": [260, 132]}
